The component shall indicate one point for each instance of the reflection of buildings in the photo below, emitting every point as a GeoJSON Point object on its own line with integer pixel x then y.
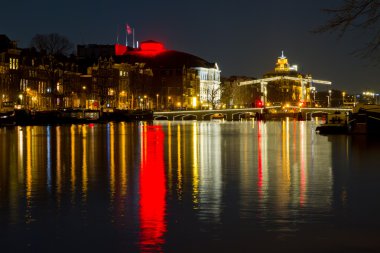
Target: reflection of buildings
{"type": "Point", "coordinates": [210, 175]}
{"type": "Point", "coordinates": [280, 178]}
{"type": "Point", "coordinates": [195, 165]}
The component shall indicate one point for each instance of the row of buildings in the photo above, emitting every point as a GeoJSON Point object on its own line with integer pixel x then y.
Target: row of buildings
{"type": "Point", "coordinates": [101, 76]}
{"type": "Point", "coordinates": [147, 77]}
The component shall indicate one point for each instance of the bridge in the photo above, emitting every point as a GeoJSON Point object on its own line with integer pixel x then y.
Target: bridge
{"type": "Point", "coordinates": [237, 114]}
{"type": "Point", "coordinates": [228, 114]}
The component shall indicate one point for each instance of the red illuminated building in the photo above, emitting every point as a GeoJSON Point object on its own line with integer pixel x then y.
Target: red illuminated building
{"type": "Point", "coordinates": [180, 80]}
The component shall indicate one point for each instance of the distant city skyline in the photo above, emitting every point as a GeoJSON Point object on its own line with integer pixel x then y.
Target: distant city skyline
{"type": "Point", "coordinates": [243, 37]}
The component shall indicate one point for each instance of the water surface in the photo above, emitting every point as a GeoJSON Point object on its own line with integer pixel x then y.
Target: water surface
{"type": "Point", "coordinates": [188, 187]}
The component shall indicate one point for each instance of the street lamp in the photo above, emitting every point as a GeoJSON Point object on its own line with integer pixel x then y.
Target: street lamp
{"type": "Point", "coordinates": [169, 101]}
{"type": "Point", "coordinates": [157, 102]}
{"type": "Point", "coordinates": [329, 99]}
{"type": "Point", "coordinates": [343, 94]}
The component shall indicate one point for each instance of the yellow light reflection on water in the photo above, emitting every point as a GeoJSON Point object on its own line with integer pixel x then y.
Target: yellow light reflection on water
{"type": "Point", "coordinates": [112, 158]}
{"type": "Point", "coordinates": [195, 165]}
{"type": "Point", "coordinates": [72, 169]}
{"type": "Point", "coordinates": [285, 184]}
{"type": "Point", "coordinates": [20, 160]}
{"type": "Point", "coordinates": [84, 163]}
{"type": "Point", "coordinates": [59, 162]}
{"type": "Point", "coordinates": [179, 163]}
{"type": "Point", "coordinates": [170, 169]}
{"type": "Point", "coordinates": [303, 162]}
{"type": "Point", "coordinates": [285, 149]}
{"type": "Point", "coordinates": [29, 177]}
{"type": "Point", "coordinates": [123, 157]}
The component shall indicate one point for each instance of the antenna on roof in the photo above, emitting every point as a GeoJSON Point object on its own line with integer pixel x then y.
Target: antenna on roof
{"type": "Point", "coordinates": [282, 54]}
{"type": "Point", "coordinates": [117, 35]}
{"type": "Point", "coordinates": [133, 30]}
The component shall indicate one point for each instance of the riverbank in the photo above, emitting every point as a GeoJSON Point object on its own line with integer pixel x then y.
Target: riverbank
{"type": "Point", "coordinates": [72, 116]}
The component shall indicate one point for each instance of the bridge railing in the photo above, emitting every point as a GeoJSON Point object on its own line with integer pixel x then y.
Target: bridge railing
{"type": "Point", "coordinates": [230, 114]}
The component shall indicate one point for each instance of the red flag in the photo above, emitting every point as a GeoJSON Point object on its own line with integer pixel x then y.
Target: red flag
{"type": "Point", "coordinates": [128, 28]}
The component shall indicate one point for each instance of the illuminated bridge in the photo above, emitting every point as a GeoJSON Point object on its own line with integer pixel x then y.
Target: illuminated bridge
{"type": "Point", "coordinates": [237, 114]}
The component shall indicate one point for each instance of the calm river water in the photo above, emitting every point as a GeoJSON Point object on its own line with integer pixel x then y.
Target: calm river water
{"type": "Point", "coordinates": [188, 187]}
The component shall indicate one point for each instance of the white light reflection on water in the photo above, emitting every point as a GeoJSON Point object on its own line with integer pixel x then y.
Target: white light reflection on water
{"type": "Point", "coordinates": [146, 188]}
{"type": "Point", "coordinates": [210, 178]}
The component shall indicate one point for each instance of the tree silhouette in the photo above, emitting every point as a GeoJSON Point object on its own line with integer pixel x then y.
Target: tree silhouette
{"type": "Point", "coordinates": [53, 49]}
{"type": "Point", "coordinates": [356, 15]}
{"type": "Point", "coordinates": [52, 44]}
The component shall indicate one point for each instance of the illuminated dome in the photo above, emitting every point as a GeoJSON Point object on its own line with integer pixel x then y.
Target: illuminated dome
{"type": "Point", "coordinates": [155, 55]}
{"type": "Point", "coordinates": [282, 64]}
{"type": "Point", "coordinates": [152, 46]}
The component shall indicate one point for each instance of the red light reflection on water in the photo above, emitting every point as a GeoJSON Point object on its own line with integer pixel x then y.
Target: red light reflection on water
{"type": "Point", "coordinates": [303, 163]}
{"type": "Point", "coordinates": [152, 190]}
{"type": "Point", "coordinates": [259, 160]}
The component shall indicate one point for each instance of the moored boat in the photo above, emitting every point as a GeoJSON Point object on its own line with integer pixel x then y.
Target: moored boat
{"type": "Point", "coordinates": [217, 116]}
{"type": "Point", "coordinates": [7, 118]}
{"type": "Point", "coordinates": [365, 119]}
{"type": "Point", "coordinates": [247, 115]}
{"type": "Point", "coordinates": [336, 123]}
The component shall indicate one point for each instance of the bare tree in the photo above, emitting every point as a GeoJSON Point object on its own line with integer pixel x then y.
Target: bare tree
{"type": "Point", "coordinates": [358, 15]}
{"type": "Point", "coordinates": [213, 96]}
{"type": "Point", "coordinates": [52, 44]}
{"type": "Point", "coordinates": [53, 49]}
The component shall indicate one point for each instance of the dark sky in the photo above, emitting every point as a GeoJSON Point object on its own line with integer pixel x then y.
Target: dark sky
{"type": "Point", "coordinates": [244, 37]}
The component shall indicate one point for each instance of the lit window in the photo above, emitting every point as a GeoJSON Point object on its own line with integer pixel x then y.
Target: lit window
{"type": "Point", "coordinates": [110, 92]}
{"type": "Point", "coordinates": [13, 63]}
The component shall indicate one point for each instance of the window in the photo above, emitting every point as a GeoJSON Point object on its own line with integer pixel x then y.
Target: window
{"type": "Point", "coordinates": [41, 87]}
{"type": "Point", "coordinates": [13, 63]}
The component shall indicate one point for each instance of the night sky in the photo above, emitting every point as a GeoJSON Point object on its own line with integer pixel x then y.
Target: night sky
{"type": "Point", "coordinates": [244, 37]}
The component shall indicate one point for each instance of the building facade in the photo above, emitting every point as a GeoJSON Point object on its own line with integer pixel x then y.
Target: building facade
{"type": "Point", "coordinates": [147, 77]}
{"type": "Point", "coordinates": [208, 84]}
{"type": "Point", "coordinates": [180, 80]}
{"type": "Point", "coordinates": [287, 91]}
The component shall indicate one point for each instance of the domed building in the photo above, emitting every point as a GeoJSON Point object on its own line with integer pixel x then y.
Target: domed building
{"type": "Point", "coordinates": [179, 80]}
{"type": "Point", "coordinates": [287, 91]}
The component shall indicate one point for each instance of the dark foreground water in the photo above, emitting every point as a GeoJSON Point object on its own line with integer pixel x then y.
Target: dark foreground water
{"type": "Point", "coordinates": [188, 187]}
